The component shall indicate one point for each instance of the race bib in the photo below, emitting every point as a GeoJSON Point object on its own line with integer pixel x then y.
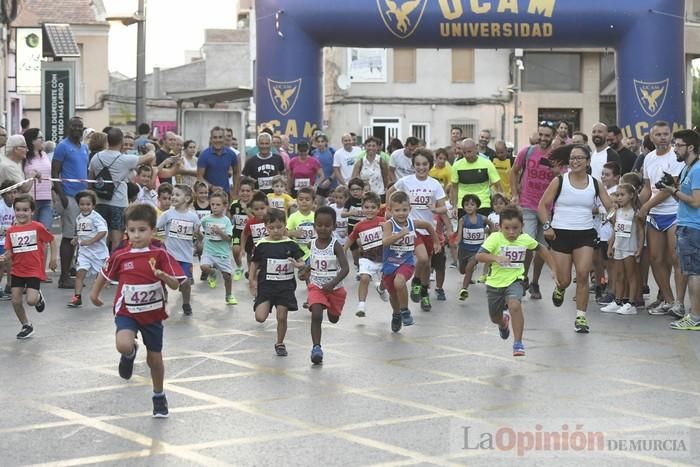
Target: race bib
{"type": "Point", "coordinates": [405, 243]}
{"type": "Point", "coordinates": [307, 233]}
{"type": "Point", "coordinates": [143, 297]}
{"type": "Point", "coordinates": [258, 232]}
{"type": "Point", "coordinates": [301, 183]}
{"type": "Point", "coordinates": [473, 236]}
{"type": "Point", "coordinates": [84, 226]}
{"type": "Point", "coordinates": [202, 213]}
{"type": "Point", "coordinates": [371, 238]}
{"type": "Point", "coordinates": [279, 270]}
{"type": "Point", "coordinates": [23, 242]}
{"type": "Point", "coordinates": [265, 183]}
{"type": "Point", "coordinates": [623, 228]}
{"type": "Point", "coordinates": [239, 221]}
{"type": "Point", "coordinates": [211, 235]}
{"type": "Point", "coordinates": [420, 200]}
{"type": "Point", "coordinates": [180, 229]}
{"type": "Point", "coordinates": [277, 203]}
{"type": "Point", "coordinates": [324, 266]}
{"type": "Point", "coordinates": [516, 255]}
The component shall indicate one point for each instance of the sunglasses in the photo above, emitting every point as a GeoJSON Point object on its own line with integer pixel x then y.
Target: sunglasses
{"type": "Point", "coordinates": [547, 123]}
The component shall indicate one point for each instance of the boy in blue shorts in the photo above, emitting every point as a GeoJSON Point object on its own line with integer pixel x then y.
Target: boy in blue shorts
{"type": "Point", "coordinates": [505, 251]}
{"type": "Point", "coordinates": [139, 304]}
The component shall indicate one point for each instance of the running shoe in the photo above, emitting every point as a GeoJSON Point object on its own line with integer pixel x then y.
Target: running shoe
{"type": "Point", "coordinates": [557, 296]}
{"type": "Point", "coordinates": [211, 280]}
{"type": "Point", "coordinates": [441, 297]}
{"type": "Point", "coordinates": [75, 302]}
{"type": "Point", "coordinates": [611, 307]}
{"type": "Point", "coordinates": [281, 350]}
{"type": "Point", "coordinates": [661, 309]}
{"type": "Point", "coordinates": [41, 304]}
{"type": "Point", "coordinates": [518, 349]}
{"type": "Point", "coordinates": [535, 291]}
{"type": "Point", "coordinates": [645, 290]}
{"type": "Point", "coordinates": [160, 407]}
{"type": "Point", "coordinates": [606, 299]}
{"type": "Point", "coordinates": [316, 355]}
{"type": "Point", "coordinates": [237, 274]}
{"type": "Point", "coordinates": [360, 313]}
{"type": "Point", "coordinates": [383, 294]}
{"type": "Point", "coordinates": [677, 310]}
{"type": "Point", "coordinates": [203, 276]}
{"type": "Point", "coordinates": [396, 322]}
{"type": "Point", "coordinates": [627, 309]}
{"type": "Point", "coordinates": [231, 300]}
{"type": "Point", "coordinates": [415, 293]}
{"type": "Point", "coordinates": [687, 323]}
{"type": "Point", "coordinates": [406, 318]}
{"type": "Point", "coordinates": [505, 330]}
{"type": "Point", "coordinates": [26, 331]}
{"type": "Point", "coordinates": [463, 295]}
{"type": "Point", "coordinates": [187, 309]}
{"type": "Point", "coordinates": [425, 304]}
{"type": "Point", "coordinates": [453, 265]}
{"type": "Point", "coordinates": [126, 364]}
{"type": "Point", "coordinates": [581, 324]}
{"type": "Point", "coordinates": [4, 296]}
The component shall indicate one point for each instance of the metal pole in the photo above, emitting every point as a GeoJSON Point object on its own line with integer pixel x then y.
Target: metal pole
{"type": "Point", "coordinates": [516, 104]}
{"type": "Point", "coordinates": [141, 64]}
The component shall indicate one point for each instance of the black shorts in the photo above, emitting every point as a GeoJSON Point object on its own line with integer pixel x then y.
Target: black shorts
{"type": "Point", "coordinates": [276, 297]}
{"type": "Point", "coordinates": [438, 261]}
{"type": "Point", "coordinates": [25, 282]}
{"type": "Point", "coordinates": [569, 240]}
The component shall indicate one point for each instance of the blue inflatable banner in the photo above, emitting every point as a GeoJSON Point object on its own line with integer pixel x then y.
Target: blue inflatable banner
{"type": "Point", "coordinates": [647, 35]}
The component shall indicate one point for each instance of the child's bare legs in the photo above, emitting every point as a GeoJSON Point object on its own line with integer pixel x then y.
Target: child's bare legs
{"type": "Point", "coordinates": [185, 289]}
{"type": "Point", "coordinates": [237, 255]}
{"type": "Point", "coordinates": [155, 363]}
{"type": "Point", "coordinates": [17, 305]}
{"type": "Point", "coordinates": [262, 311]}
{"type": "Point", "coordinates": [227, 282]}
{"type": "Point", "coordinates": [79, 280]}
{"type": "Point", "coordinates": [468, 273]}
{"type": "Point", "coordinates": [630, 267]}
{"type": "Point", "coordinates": [617, 270]}
{"type": "Point", "coordinates": [363, 289]}
{"type": "Point", "coordinates": [517, 319]}
{"type": "Point", "coordinates": [316, 320]}
{"type": "Point", "coordinates": [401, 291]}
{"type": "Point", "coordinates": [394, 301]}
{"type": "Point", "coordinates": [439, 278]}
{"type": "Point", "coordinates": [281, 323]}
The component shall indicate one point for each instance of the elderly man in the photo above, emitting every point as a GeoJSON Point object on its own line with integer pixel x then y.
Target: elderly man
{"type": "Point", "coordinates": [11, 163]}
{"type": "Point", "coordinates": [70, 160]}
{"type": "Point", "coordinates": [344, 159]}
{"type": "Point", "coordinates": [473, 175]}
{"type": "Point", "coordinates": [687, 193]}
{"type": "Point", "coordinates": [217, 162]}
{"type": "Point", "coordinates": [265, 165]}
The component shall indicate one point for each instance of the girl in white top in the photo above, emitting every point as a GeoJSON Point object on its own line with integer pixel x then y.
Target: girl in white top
{"type": "Point", "coordinates": [571, 234]}
{"type": "Point", "coordinates": [187, 172]}
{"type": "Point", "coordinates": [371, 168]}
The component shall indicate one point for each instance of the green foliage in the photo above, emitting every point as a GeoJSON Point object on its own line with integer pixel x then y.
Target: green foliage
{"type": "Point", "coordinates": [696, 98]}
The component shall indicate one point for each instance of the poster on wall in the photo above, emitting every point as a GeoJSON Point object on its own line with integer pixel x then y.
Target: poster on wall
{"type": "Point", "coordinates": [160, 127]}
{"type": "Point", "coordinates": [367, 65]}
{"type": "Point", "coordinates": [57, 98]}
{"type": "Point", "coordinates": [28, 61]}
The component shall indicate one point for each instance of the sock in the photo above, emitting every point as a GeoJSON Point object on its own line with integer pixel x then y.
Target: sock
{"type": "Point", "coordinates": [580, 313]}
{"type": "Point", "coordinates": [695, 317]}
{"type": "Point", "coordinates": [361, 306]}
{"type": "Point", "coordinates": [158, 394]}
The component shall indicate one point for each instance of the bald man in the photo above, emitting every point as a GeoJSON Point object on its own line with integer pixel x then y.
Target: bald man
{"type": "Point", "coordinates": [602, 153]}
{"type": "Point", "coordinates": [344, 159]}
{"type": "Point", "coordinates": [474, 175]}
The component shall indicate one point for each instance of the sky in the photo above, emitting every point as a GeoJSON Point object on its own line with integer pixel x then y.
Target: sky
{"type": "Point", "coordinates": [172, 27]}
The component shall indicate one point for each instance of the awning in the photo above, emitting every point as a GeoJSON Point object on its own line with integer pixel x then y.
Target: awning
{"type": "Point", "coordinates": [212, 96]}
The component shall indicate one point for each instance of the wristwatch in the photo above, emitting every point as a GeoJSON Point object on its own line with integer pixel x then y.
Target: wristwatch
{"type": "Point", "coordinates": [546, 226]}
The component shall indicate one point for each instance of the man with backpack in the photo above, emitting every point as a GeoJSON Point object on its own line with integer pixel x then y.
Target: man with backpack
{"type": "Point", "coordinates": [111, 170]}
{"type": "Point", "coordinates": [529, 178]}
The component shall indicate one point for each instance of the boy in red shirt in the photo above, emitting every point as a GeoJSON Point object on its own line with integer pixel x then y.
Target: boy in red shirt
{"type": "Point", "coordinates": [24, 243]}
{"type": "Point", "coordinates": [368, 236]}
{"type": "Point", "coordinates": [141, 268]}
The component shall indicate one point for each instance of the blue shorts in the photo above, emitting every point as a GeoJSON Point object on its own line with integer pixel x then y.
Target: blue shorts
{"type": "Point", "coordinates": [2, 249]}
{"type": "Point", "coordinates": [151, 334]}
{"type": "Point", "coordinates": [662, 222]}
{"type": "Point", "coordinates": [113, 215]}
{"type": "Point", "coordinates": [186, 268]}
{"type": "Point", "coordinates": [688, 250]}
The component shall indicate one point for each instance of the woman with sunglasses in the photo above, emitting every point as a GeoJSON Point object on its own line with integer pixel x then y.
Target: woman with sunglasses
{"type": "Point", "coordinates": [569, 231]}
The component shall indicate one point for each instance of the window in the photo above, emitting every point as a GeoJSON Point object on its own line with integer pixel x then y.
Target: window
{"type": "Point", "coordinates": [468, 129]}
{"type": "Point", "coordinates": [552, 72]}
{"type": "Point", "coordinates": [571, 116]}
{"type": "Point", "coordinates": [462, 65]}
{"type": "Point", "coordinates": [80, 85]}
{"type": "Point", "coordinates": [421, 131]}
{"type": "Point", "coordinates": [693, 8]}
{"type": "Point", "coordinates": [404, 65]}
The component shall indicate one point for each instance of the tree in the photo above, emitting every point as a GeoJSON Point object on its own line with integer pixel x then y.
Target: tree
{"type": "Point", "coordinates": [696, 98]}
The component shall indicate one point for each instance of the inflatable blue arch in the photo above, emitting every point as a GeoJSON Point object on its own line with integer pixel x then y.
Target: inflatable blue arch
{"type": "Point", "coordinates": [648, 36]}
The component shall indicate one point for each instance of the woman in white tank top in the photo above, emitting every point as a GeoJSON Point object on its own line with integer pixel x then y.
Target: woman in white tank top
{"type": "Point", "coordinates": [570, 231]}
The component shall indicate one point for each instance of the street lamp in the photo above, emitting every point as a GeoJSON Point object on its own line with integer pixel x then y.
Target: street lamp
{"type": "Point", "coordinates": [138, 18]}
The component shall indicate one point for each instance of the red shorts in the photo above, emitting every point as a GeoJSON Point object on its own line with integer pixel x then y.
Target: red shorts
{"type": "Point", "coordinates": [405, 271]}
{"type": "Point", "coordinates": [332, 301]}
{"type": "Point", "coordinates": [427, 241]}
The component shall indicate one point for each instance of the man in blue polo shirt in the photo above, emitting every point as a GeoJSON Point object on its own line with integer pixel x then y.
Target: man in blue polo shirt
{"type": "Point", "coordinates": [216, 162]}
{"type": "Point", "coordinates": [70, 160]}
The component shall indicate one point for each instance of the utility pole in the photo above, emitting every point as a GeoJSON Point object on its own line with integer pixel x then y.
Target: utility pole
{"type": "Point", "coordinates": [141, 64]}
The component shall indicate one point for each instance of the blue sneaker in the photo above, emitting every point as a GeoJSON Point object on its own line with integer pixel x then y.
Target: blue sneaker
{"type": "Point", "coordinates": [505, 330]}
{"type": "Point", "coordinates": [396, 322]}
{"type": "Point", "coordinates": [441, 297]}
{"type": "Point", "coordinates": [406, 317]}
{"type": "Point", "coordinates": [316, 355]}
{"type": "Point", "coordinates": [518, 349]}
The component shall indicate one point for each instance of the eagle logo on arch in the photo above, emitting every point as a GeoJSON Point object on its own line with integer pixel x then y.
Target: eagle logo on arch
{"type": "Point", "coordinates": [651, 95]}
{"type": "Point", "coordinates": [284, 94]}
{"type": "Point", "coordinates": [401, 17]}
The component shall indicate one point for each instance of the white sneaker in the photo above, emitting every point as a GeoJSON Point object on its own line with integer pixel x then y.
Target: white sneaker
{"type": "Point", "coordinates": [611, 307]}
{"type": "Point", "coordinates": [678, 310]}
{"type": "Point", "coordinates": [660, 310]}
{"type": "Point", "coordinates": [627, 309]}
{"type": "Point", "coordinates": [383, 294]}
